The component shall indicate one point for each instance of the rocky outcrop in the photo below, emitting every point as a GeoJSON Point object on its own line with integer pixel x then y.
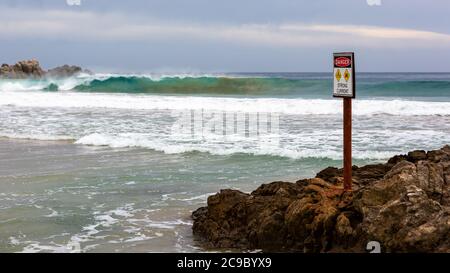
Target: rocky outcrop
{"type": "Point", "coordinates": [22, 70]}
{"type": "Point", "coordinates": [32, 69]}
{"type": "Point", "coordinates": [64, 71]}
{"type": "Point", "coordinates": [403, 204]}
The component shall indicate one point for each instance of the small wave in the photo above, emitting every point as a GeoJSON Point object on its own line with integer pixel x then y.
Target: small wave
{"type": "Point", "coordinates": [141, 141]}
{"type": "Point", "coordinates": [181, 197]}
{"type": "Point", "coordinates": [288, 145]}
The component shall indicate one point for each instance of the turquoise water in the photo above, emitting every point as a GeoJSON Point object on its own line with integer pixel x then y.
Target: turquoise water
{"type": "Point", "coordinates": [117, 163]}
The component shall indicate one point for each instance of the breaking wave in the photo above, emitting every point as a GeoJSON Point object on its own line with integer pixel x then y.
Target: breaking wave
{"type": "Point", "coordinates": [223, 84]}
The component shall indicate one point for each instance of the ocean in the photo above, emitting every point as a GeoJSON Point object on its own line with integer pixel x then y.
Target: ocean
{"type": "Point", "coordinates": [116, 163]}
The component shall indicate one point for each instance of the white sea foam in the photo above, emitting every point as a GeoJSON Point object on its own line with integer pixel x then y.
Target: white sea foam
{"type": "Point", "coordinates": [320, 143]}
{"type": "Point", "coordinates": [278, 105]}
{"type": "Point", "coordinates": [311, 128]}
{"type": "Point", "coordinates": [170, 224]}
{"type": "Point", "coordinates": [36, 247]}
{"type": "Point", "coordinates": [180, 197]}
{"type": "Point", "coordinates": [36, 85]}
{"type": "Point", "coordinates": [53, 213]}
{"type": "Point", "coordinates": [291, 151]}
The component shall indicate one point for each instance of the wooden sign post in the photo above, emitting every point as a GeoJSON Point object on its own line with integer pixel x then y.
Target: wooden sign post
{"type": "Point", "coordinates": [344, 87]}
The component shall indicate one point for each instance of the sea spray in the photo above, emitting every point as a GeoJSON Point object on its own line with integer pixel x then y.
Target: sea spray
{"type": "Point", "coordinates": [292, 106]}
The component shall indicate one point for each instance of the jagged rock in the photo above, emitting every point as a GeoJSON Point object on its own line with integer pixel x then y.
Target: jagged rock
{"type": "Point", "coordinates": [404, 204]}
{"type": "Point", "coordinates": [361, 175]}
{"type": "Point", "coordinates": [310, 220]}
{"type": "Point", "coordinates": [330, 174]}
{"type": "Point", "coordinates": [417, 155]}
{"type": "Point", "coordinates": [396, 159]}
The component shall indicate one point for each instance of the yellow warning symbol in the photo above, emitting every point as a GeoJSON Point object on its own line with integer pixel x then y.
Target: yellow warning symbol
{"type": "Point", "coordinates": [338, 75]}
{"type": "Point", "coordinates": [346, 75]}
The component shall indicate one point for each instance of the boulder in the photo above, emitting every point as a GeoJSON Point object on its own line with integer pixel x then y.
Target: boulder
{"type": "Point", "coordinates": [403, 204]}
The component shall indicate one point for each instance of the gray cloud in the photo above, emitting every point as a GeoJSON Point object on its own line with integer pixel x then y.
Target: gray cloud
{"type": "Point", "coordinates": [71, 25]}
{"type": "Point", "coordinates": [205, 35]}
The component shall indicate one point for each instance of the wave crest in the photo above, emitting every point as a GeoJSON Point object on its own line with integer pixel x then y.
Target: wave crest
{"type": "Point", "coordinates": [272, 85]}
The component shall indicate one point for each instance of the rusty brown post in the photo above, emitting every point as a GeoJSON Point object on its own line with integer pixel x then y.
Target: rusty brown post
{"type": "Point", "coordinates": [347, 144]}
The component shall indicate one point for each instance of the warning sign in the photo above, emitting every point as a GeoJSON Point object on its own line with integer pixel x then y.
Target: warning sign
{"type": "Point", "coordinates": [344, 75]}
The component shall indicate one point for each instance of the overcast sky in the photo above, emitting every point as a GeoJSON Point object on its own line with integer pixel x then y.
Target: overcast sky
{"type": "Point", "coordinates": [227, 36]}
